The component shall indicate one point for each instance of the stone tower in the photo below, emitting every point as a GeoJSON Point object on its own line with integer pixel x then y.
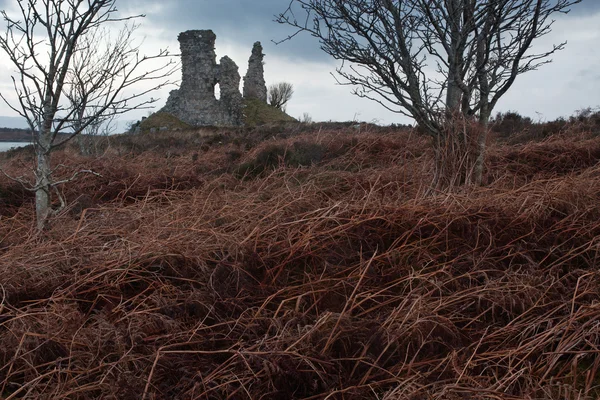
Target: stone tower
{"type": "Point", "coordinates": [254, 81]}
{"type": "Point", "coordinates": [194, 102]}
{"type": "Point", "coordinates": [198, 59]}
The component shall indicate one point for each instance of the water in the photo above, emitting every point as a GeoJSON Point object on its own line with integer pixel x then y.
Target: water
{"type": "Point", "coordinates": [8, 145]}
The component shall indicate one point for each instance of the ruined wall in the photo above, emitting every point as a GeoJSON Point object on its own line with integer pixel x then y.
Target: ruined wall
{"type": "Point", "coordinates": [231, 98]}
{"type": "Point", "coordinates": [194, 102]}
{"type": "Point", "coordinates": [254, 81]}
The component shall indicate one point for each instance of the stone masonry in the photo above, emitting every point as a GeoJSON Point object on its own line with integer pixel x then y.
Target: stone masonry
{"type": "Point", "coordinates": [231, 98]}
{"type": "Point", "coordinates": [194, 102]}
{"type": "Point", "coordinates": [254, 81]}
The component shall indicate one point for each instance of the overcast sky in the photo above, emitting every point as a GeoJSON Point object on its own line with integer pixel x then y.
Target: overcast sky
{"type": "Point", "coordinates": [571, 82]}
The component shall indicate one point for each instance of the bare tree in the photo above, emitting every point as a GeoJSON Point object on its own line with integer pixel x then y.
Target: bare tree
{"type": "Point", "coordinates": [72, 76]}
{"type": "Point", "coordinates": [305, 118]}
{"type": "Point", "coordinates": [81, 73]}
{"type": "Point", "coordinates": [433, 60]}
{"type": "Point", "coordinates": [279, 94]}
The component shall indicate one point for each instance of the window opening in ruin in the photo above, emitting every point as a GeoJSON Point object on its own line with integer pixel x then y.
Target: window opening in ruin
{"type": "Point", "coordinates": [217, 92]}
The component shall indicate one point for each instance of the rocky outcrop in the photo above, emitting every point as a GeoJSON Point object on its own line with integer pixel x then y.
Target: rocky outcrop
{"type": "Point", "coordinates": [254, 81]}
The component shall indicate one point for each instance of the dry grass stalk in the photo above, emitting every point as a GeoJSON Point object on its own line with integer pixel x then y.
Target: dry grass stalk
{"type": "Point", "coordinates": [170, 277]}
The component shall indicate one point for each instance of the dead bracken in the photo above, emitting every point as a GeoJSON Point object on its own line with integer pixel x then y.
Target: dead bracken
{"type": "Point", "coordinates": [329, 272]}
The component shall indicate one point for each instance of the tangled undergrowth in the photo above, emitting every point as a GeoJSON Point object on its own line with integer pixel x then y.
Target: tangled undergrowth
{"type": "Point", "coordinates": [316, 266]}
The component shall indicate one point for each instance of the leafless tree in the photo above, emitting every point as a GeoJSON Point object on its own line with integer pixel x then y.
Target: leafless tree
{"type": "Point", "coordinates": [279, 94]}
{"type": "Point", "coordinates": [432, 60]}
{"type": "Point", "coordinates": [305, 118]}
{"type": "Point", "coordinates": [72, 76]}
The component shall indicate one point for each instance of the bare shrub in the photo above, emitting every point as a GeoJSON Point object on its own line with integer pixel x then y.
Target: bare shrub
{"type": "Point", "coordinates": [306, 118]}
{"type": "Point", "coordinates": [279, 94]}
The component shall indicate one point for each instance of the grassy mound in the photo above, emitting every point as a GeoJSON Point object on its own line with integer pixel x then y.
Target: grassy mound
{"type": "Point", "coordinates": [327, 270]}
{"type": "Point", "coordinates": [258, 113]}
{"type": "Point", "coordinates": [162, 120]}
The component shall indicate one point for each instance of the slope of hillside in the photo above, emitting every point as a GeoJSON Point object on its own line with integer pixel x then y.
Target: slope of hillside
{"type": "Point", "coordinates": [304, 263]}
{"type": "Point", "coordinates": [258, 113]}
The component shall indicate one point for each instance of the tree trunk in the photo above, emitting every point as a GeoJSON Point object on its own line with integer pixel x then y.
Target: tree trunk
{"type": "Point", "coordinates": [453, 98]}
{"type": "Point", "coordinates": [43, 173]}
{"type": "Point", "coordinates": [481, 147]}
{"type": "Point", "coordinates": [42, 194]}
{"type": "Point", "coordinates": [484, 102]}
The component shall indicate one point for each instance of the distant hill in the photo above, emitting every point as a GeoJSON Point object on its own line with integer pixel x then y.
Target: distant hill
{"type": "Point", "coordinates": [13, 122]}
{"type": "Point", "coordinates": [15, 135]}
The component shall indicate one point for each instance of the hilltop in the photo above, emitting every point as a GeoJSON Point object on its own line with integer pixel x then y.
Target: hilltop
{"type": "Point", "coordinates": [255, 113]}
{"type": "Point", "coordinates": [303, 261]}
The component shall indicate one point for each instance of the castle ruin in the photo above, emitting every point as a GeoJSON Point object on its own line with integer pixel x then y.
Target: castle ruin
{"type": "Point", "coordinates": [194, 102]}
{"type": "Point", "coordinates": [254, 81]}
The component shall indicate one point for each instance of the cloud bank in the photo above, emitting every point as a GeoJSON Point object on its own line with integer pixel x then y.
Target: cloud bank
{"type": "Point", "coordinates": [571, 82]}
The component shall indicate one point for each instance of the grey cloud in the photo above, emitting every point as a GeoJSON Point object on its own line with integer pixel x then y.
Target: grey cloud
{"type": "Point", "coordinates": [240, 21]}
{"type": "Point", "coordinates": [586, 7]}
{"type": "Point", "coordinates": [246, 21]}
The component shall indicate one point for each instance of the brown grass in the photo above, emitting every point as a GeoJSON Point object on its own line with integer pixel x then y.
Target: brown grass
{"type": "Point", "coordinates": [171, 277]}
